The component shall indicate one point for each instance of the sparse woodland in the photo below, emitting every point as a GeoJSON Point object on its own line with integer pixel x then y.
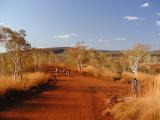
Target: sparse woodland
{"type": "Point", "coordinates": [19, 61]}
{"type": "Point", "coordinates": [137, 59]}
{"type": "Point", "coordinates": [17, 55]}
{"type": "Point", "coordinates": [21, 66]}
{"type": "Point", "coordinates": [138, 62]}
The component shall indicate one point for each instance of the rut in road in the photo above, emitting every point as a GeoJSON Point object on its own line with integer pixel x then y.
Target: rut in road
{"type": "Point", "coordinates": [75, 98]}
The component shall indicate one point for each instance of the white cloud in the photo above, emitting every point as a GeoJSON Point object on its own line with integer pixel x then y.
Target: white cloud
{"type": "Point", "coordinates": [145, 5]}
{"type": "Point", "coordinates": [66, 36]}
{"type": "Point", "coordinates": [158, 23]}
{"type": "Point", "coordinates": [120, 39]}
{"type": "Point", "coordinates": [158, 13]}
{"type": "Point", "coordinates": [40, 47]}
{"type": "Point", "coordinates": [100, 40]}
{"type": "Point", "coordinates": [5, 25]}
{"type": "Point", "coordinates": [132, 18]}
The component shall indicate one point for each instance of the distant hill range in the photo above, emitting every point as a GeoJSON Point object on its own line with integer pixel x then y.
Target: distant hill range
{"type": "Point", "coordinates": [157, 52]}
{"type": "Point", "coordinates": [56, 50]}
{"type": "Point", "coordinates": [62, 50]}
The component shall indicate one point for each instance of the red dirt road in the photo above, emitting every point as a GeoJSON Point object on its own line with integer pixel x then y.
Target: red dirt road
{"type": "Point", "coordinates": [74, 98]}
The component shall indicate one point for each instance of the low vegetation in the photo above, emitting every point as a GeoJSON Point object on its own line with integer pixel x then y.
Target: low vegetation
{"type": "Point", "coordinates": [136, 62]}
{"type": "Point", "coordinates": [21, 66]}
{"type": "Point", "coordinates": [29, 80]}
{"type": "Point", "coordinates": [142, 108]}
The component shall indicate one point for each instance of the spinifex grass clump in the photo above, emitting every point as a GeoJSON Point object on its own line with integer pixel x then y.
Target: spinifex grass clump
{"type": "Point", "coordinates": [142, 108]}
{"type": "Point", "coordinates": [29, 80]}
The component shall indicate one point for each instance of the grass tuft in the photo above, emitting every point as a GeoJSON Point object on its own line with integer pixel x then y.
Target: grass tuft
{"type": "Point", "coordinates": [29, 80]}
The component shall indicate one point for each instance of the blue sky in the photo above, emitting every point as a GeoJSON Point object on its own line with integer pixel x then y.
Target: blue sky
{"type": "Point", "coordinates": [102, 24]}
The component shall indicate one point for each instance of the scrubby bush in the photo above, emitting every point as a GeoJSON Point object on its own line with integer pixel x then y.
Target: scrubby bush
{"type": "Point", "coordinates": [30, 80]}
{"type": "Point", "coordinates": [142, 108]}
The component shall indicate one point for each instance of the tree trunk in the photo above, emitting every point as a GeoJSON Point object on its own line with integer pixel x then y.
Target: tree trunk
{"type": "Point", "coordinates": [3, 67]}
{"type": "Point", "coordinates": [15, 66]}
{"type": "Point", "coordinates": [78, 65]}
{"type": "Point", "coordinates": [81, 65]}
{"type": "Point", "coordinates": [21, 68]}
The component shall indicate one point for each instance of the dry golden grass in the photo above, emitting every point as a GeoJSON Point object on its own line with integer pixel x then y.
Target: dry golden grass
{"type": "Point", "coordinates": [124, 77]}
{"type": "Point", "coordinates": [146, 108]}
{"type": "Point", "coordinates": [29, 80]}
{"type": "Point", "coordinates": [143, 77]}
{"type": "Point", "coordinates": [33, 79]}
{"type": "Point", "coordinates": [97, 72]}
{"type": "Point", "coordinates": [142, 108]}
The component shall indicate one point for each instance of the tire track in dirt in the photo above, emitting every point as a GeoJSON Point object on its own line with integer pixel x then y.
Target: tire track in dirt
{"type": "Point", "coordinates": [96, 110]}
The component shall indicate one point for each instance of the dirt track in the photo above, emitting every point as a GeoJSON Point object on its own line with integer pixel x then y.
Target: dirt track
{"type": "Point", "coordinates": [74, 98]}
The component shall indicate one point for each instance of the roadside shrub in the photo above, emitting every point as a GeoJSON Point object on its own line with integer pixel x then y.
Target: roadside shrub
{"type": "Point", "coordinates": [142, 108]}
{"type": "Point", "coordinates": [29, 80]}
{"type": "Point", "coordinates": [99, 73]}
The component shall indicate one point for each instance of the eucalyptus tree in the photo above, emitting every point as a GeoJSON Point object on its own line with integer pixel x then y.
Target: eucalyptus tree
{"type": "Point", "coordinates": [79, 54]}
{"type": "Point", "coordinates": [2, 61]}
{"type": "Point", "coordinates": [136, 55]}
{"type": "Point", "coordinates": [15, 45]}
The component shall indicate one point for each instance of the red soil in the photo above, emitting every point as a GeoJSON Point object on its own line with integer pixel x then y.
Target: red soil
{"type": "Point", "coordinates": [74, 98]}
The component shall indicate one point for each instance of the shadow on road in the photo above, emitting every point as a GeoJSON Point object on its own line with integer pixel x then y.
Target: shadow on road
{"type": "Point", "coordinates": [18, 99]}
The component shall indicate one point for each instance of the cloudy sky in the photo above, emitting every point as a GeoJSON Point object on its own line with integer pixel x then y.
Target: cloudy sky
{"type": "Point", "coordinates": [101, 24]}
